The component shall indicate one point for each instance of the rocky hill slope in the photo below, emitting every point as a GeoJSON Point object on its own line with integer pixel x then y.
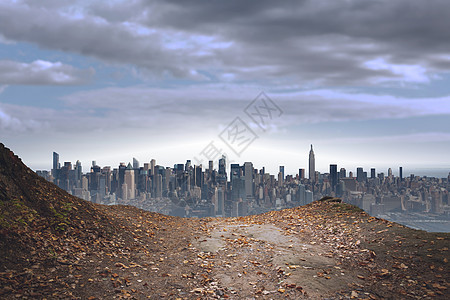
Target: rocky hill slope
{"type": "Point", "coordinates": [57, 246]}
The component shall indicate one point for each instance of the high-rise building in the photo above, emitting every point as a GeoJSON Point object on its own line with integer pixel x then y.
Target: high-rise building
{"type": "Point", "coordinates": [188, 165]}
{"type": "Point", "coordinates": [248, 177]}
{"type": "Point", "coordinates": [121, 179]}
{"type": "Point", "coordinates": [280, 179]}
{"type": "Point", "coordinates": [135, 163]}
{"type": "Point", "coordinates": [282, 171]}
{"type": "Point", "coordinates": [56, 165]}
{"type": "Point", "coordinates": [401, 173]}
{"type": "Point", "coordinates": [312, 164]}
{"type": "Point", "coordinates": [130, 183]}
{"type": "Point", "coordinates": [333, 177]}
{"type": "Point", "coordinates": [301, 173]}
{"type": "Point", "coordinates": [359, 174]}
{"type": "Point", "coordinates": [222, 165]}
{"type": "Point", "coordinates": [342, 173]}
{"type": "Point", "coordinates": [198, 176]}
{"type": "Point", "coordinates": [236, 182]}
{"type": "Point", "coordinates": [152, 167]}
{"type": "Point", "coordinates": [372, 173]}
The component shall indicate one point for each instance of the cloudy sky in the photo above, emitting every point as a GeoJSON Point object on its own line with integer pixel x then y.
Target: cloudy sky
{"type": "Point", "coordinates": [366, 82]}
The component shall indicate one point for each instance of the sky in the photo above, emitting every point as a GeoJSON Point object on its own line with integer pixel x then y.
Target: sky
{"type": "Point", "coordinates": [367, 83]}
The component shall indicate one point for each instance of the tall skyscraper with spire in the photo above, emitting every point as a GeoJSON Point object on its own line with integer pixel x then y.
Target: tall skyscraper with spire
{"type": "Point", "coordinates": [312, 164]}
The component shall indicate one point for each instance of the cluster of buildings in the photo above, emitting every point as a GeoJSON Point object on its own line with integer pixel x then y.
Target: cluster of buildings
{"type": "Point", "coordinates": [193, 191]}
{"type": "Point", "coordinates": [184, 189]}
{"type": "Point", "coordinates": [380, 193]}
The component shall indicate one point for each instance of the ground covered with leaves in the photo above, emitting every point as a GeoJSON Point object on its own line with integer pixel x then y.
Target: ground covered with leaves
{"type": "Point", "coordinates": [56, 246]}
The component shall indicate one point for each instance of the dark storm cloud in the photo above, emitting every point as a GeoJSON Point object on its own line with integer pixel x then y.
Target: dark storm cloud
{"type": "Point", "coordinates": [326, 42]}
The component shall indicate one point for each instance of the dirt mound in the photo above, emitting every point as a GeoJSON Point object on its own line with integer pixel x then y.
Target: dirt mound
{"type": "Point", "coordinates": [57, 246]}
{"type": "Point", "coordinates": [327, 250]}
{"type": "Point", "coordinates": [33, 210]}
{"type": "Point", "coordinates": [54, 245]}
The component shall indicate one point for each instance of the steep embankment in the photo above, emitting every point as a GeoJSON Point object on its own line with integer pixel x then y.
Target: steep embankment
{"type": "Point", "coordinates": [54, 245]}
{"type": "Point", "coordinates": [57, 246]}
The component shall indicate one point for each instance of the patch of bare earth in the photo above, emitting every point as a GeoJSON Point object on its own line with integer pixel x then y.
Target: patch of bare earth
{"type": "Point", "coordinates": [321, 251]}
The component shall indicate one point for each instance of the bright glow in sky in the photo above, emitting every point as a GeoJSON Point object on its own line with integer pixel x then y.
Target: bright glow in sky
{"type": "Point", "coordinates": [109, 81]}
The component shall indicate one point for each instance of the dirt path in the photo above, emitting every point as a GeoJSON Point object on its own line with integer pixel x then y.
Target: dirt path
{"type": "Point", "coordinates": [249, 260]}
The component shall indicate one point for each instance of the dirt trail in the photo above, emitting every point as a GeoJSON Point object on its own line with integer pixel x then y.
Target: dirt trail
{"type": "Point", "coordinates": [249, 260]}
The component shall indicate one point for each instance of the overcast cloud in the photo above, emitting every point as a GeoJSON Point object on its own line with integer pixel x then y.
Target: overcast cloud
{"type": "Point", "coordinates": [41, 72]}
{"type": "Point", "coordinates": [308, 42]}
{"type": "Point", "coordinates": [74, 73]}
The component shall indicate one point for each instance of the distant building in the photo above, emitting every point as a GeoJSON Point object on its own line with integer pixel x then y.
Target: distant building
{"type": "Point", "coordinates": [130, 183]}
{"type": "Point", "coordinates": [56, 167]}
{"type": "Point", "coordinates": [312, 165]}
{"type": "Point", "coordinates": [282, 172]}
{"type": "Point", "coordinates": [360, 174]}
{"type": "Point", "coordinates": [301, 173]}
{"type": "Point", "coordinates": [135, 163]}
{"type": "Point", "coordinates": [333, 177]}
{"type": "Point", "coordinates": [248, 177]}
{"type": "Point", "coordinates": [222, 166]}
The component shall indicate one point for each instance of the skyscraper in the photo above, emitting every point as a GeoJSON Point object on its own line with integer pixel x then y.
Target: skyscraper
{"type": "Point", "coordinates": [237, 182]}
{"type": "Point", "coordinates": [135, 163]}
{"type": "Point", "coordinates": [198, 176]}
{"type": "Point", "coordinates": [129, 182]}
{"type": "Point", "coordinates": [222, 165]}
{"type": "Point", "coordinates": [248, 170]}
{"type": "Point", "coordinates": [56, 167]}
{"type": "Point", "coordinates": [301, 173]}
{"type": "Point", "coordinates": [372, 173]}
{"type": "Point", "coordinates": [282, 171]}
{"type": "Point", "coordinates": [152, 167]}
{"type": "Point", "coordinates": [312, 164]}
{"type": "Point", "coordinates": [401, 173]}
{"type": "Point", "coordinates": [78, 173]}
{"type": "Point", "coordinates": [342, 173]}
{"type": "Point", "coordinates": [121, 179]}
{"type": "Point", "coordinates": [187, 166]}
{"type": "Point", "coordinates": [360, 174]}
{"type": "Point", "coordinates": [55, 161]}
{"type": "Point", "coordinates": [333, 177]}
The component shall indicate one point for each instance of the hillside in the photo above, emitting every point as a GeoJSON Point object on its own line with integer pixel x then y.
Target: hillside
{"type": "Point", "coordinates": [57, 246]}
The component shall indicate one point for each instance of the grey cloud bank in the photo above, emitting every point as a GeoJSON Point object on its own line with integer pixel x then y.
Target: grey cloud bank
{"type": "Point", "coordinates": [308, 42]}
{"type": "Point", "coordinates": [141, 74]}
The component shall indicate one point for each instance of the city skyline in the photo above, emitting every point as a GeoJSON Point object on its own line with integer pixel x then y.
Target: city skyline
{"type": "Point", "coordinates": [112, 80]}
{"type": "Point", "coordinates": [218, 165]}
{"type": "Point", "coordinates": [290, 170]}
{"type": "Point", "coordinates": [209, 189]}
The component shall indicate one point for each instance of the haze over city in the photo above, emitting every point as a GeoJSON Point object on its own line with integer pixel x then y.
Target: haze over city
{"type": "Point", "coordinates": [366, 82]}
